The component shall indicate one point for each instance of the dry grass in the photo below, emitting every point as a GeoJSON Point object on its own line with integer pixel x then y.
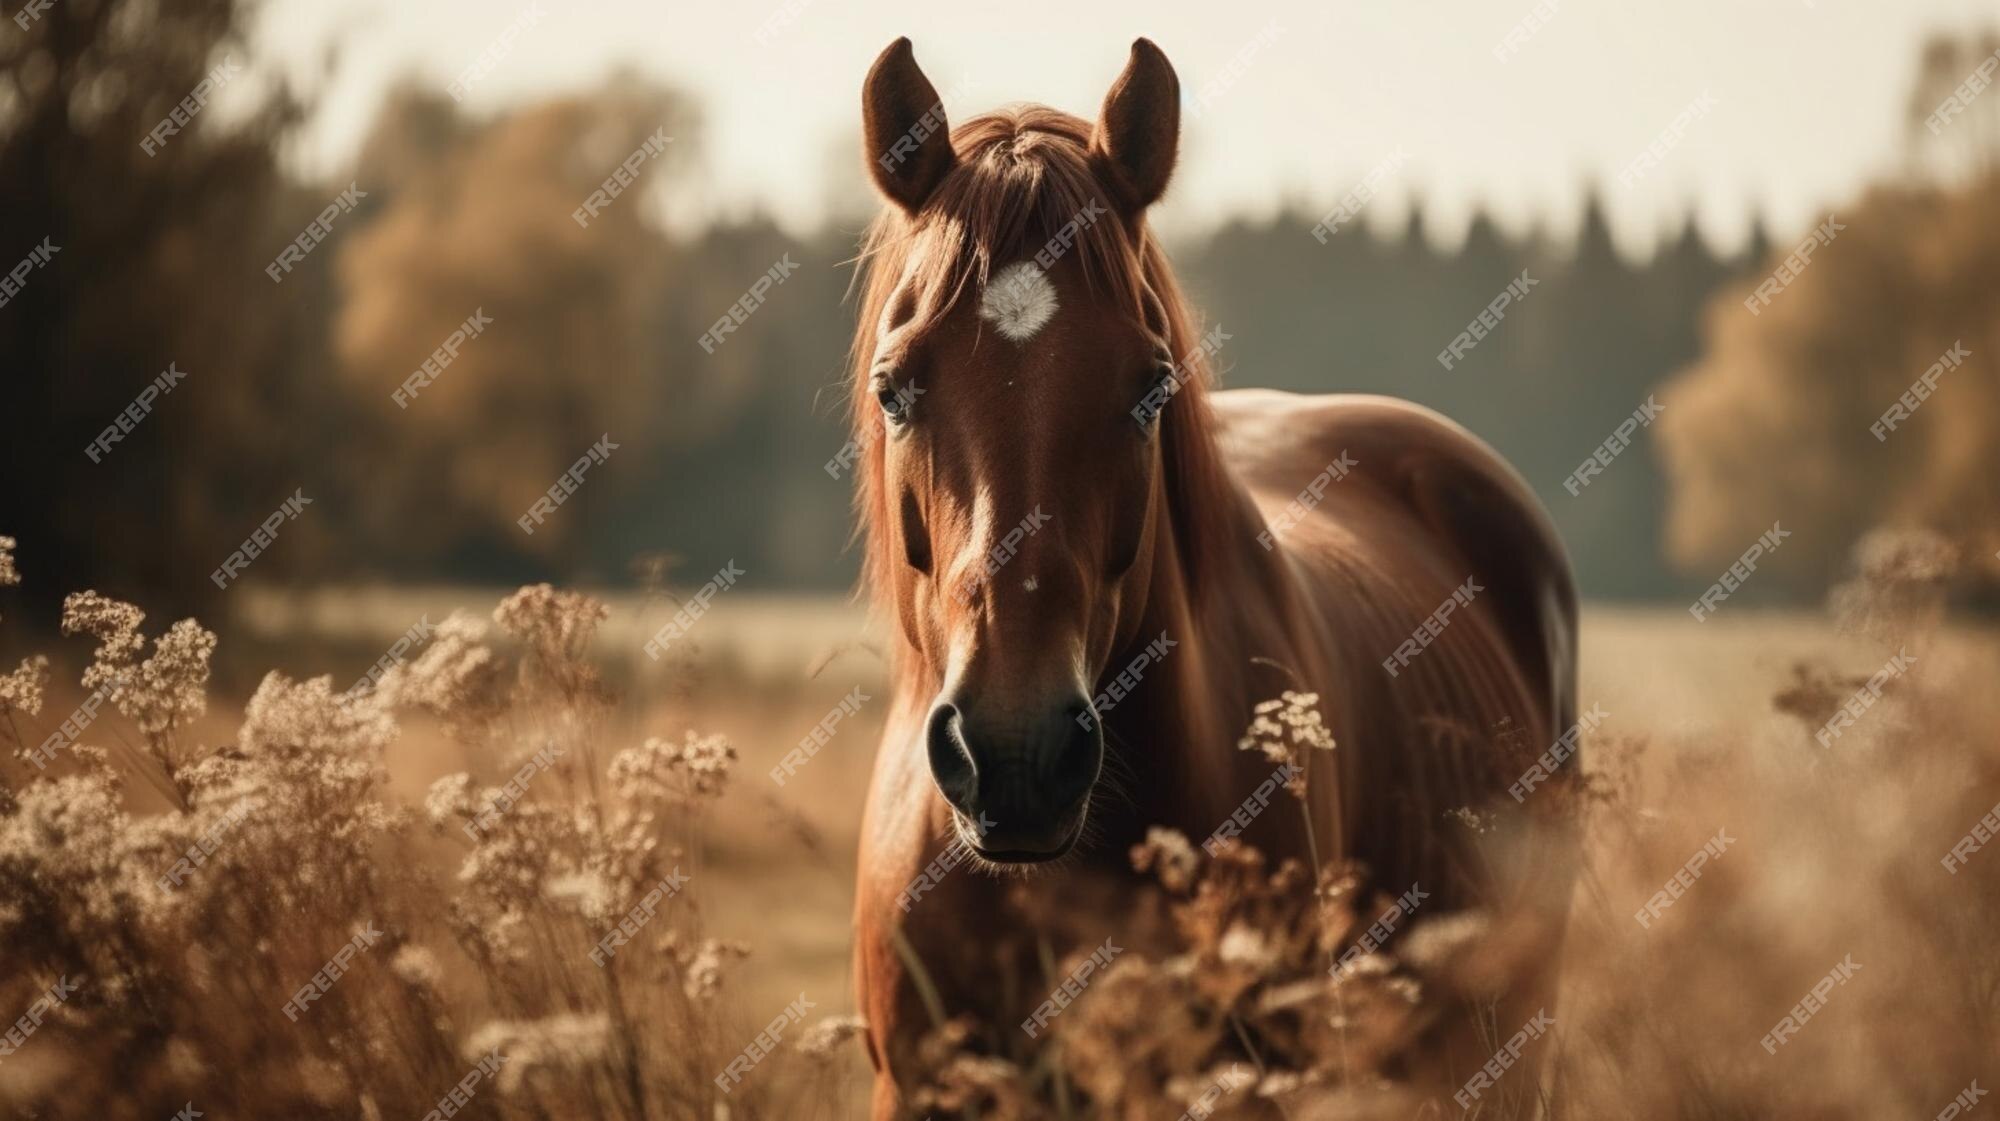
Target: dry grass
{"type": "Point", "coordinates": [332, 950]}
{"type": "Point", "coordinates": [350, 819]}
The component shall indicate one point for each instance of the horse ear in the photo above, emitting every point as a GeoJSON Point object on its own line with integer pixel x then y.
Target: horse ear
{"type": "Point", "coordinates": [902, 118]}
{"type": "Point", "coordinates": [1139, 129]}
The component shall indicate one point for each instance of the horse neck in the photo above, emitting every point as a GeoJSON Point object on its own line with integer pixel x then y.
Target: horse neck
{"type": "Point", "coordinates": [1225, 600]}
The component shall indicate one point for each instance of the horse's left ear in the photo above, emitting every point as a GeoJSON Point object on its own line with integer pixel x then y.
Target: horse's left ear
{"type": "Point", "coordinates": [1139, 129]}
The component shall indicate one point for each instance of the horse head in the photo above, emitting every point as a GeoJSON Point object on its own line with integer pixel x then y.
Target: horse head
{"type": "Point", "coordinates": [1014, 366]}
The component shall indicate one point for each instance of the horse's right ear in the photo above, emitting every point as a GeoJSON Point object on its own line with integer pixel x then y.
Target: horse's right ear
{"type": "Point", "coordinates": [903, 123]}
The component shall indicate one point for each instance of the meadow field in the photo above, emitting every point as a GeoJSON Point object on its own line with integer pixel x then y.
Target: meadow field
{"type": "Point", "coordinates": [1707, 731]}
{"type": "Point", "coordinates": [322, 322]}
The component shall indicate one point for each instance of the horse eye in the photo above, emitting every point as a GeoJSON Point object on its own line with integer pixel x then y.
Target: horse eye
{"type": "Point", "coordinates": [1158, 392]}
{"type": "Point", "coordinates": [895, 403]}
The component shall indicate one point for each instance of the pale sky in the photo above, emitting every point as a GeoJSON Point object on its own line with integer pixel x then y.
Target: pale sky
{"type": "Point", "coordinates": [1807, 96]}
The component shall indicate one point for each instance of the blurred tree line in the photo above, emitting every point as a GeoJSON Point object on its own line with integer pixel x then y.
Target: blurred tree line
{"type": "Point", "coordinates": [720, 456]}
{"type": "Point", "coordinates": [1778, 420]}
{"type": "Point", "coordinates": [1575, 356]}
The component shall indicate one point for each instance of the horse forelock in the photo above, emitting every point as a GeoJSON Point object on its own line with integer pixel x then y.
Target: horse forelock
{"type": "Point", "coordinates": [1022, 175]}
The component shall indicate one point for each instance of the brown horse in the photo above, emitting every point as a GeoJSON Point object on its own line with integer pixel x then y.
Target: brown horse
{"type": "Point", "coordinates": [1052, 496]}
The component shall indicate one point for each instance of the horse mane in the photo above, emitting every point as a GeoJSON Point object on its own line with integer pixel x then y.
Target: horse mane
{"type": "Point", "coordinates": [1021, 174]}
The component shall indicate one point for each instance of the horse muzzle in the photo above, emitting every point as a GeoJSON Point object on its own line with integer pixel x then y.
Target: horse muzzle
{"type": "Point", "coordinates": [1024, 775]}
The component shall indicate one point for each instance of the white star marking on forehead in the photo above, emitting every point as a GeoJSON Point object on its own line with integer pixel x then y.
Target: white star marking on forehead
{"type": "Point", "coordinates": [1019, 300]}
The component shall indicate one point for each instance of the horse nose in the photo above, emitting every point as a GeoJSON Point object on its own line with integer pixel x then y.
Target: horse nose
{"type": "Point", "coordinates": [1023, 774]}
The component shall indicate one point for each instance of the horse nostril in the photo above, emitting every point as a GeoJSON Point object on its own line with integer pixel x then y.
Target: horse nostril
{"type": "Point", "coordinates": [1081, 719]}
{"type": "Point", "coordinates": [951, 764]}
{"type": "Point", "coordinates": [1081, 754]}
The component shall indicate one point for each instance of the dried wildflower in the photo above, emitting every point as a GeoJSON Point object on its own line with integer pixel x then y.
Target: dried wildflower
{"type": "Point", "coordinates": [1365, 966]}
{"type": "Point", "coordinates": [1169, 855]}
{"type": "Point", "coordinates": [160, 694]}
{"type": "Point", "coordinates": [1431, 945]}
{"type": "Point", "coordinates": [9, 575]}
{"type": "Point", "coordinates": [558, 625]}
{"type": "Point", "coordinates": [660, 769]}
{"type": "Point", "coordinates": [1470, 818]}
{"type": "Point", "coordinates": [1242, 946]}
{"type": "Point", "coordinates": [171, 687]}
{"type": "Point", "coordinates": [965, 1084]}
{"type": "Point", "coordinates": [289, 716]}
{"type": "Point", "coordinates": [449, 799]}
{"type": "Point", "coordinates": [983, 1086]}
{"type": "Point", "coordinates": [66, 836]}
{"type": "Point", "coordinates": [1137, 1028]}
{"type": "Point", "coordinates": [456, 675]}
{"type": "Point", "coordinates": [564, 1041]}
{"type": "Point", "coordinates": [21, 691]}
{"type": "Point", "coordinates": [1279, 1083]}
{"type": "Point", "coordinates": [1898, 592]}
{"type": "Point", "coordinates": [629, 851]}
{"type": "Point", "coordinates": [1283, 730]}
{"type": "Point", "coordinates": [1906, 555]}
{"type": "Point", "coordinates": [282, 836]}
{"type": "Point", "coordinates": [1198, 1091]}
{"type": "Point", "coordinates": [499, 936]}
{"type": "Point", "coordinates": [115, 625]}
{"type": "Point", "coordinates": [701, 967]}
{"type": "Point", "coordinates": [824, 1039]}
{"type": "Point", "coordinates": [583, 892]}
{"type": "Point", "coordinates": [518, 852]}
{"type": "Point", "coordinates": [417, 967]}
